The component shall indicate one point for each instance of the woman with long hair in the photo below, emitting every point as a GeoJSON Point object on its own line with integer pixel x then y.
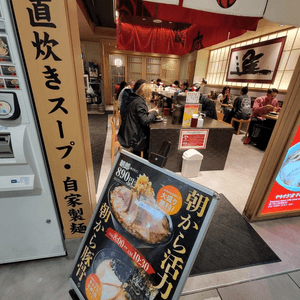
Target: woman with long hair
{"type": "Point", "coordinates": [134, 131]}
{"type": "Point", "coordinates": [122, 85]}
{"type": "Point", "coordinates": [223, 98]}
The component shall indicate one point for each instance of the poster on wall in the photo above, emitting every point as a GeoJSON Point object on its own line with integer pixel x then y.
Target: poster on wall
{"type": "Point", "coordinates": [285, 193]}
{"type": "Point", "coordinates": [144, 235]}
{"type": "Point", "coordinates": [257, 63]}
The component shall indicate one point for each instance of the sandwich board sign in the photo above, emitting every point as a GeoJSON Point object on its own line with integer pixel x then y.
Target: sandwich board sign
{"type": "Point", "coordinates": [144, 235]}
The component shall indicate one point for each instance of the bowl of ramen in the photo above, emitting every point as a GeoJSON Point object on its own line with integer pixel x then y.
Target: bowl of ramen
{"type": "Point", "coordinates": [289, 173]}
{"type": "Point", "coordinates": [118, 275]}
{"type": "Point", "coordinates": [136, 215]}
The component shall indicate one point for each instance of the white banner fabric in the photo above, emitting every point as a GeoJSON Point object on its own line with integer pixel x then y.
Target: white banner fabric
{"type": "Point", "coordinates": [174, 2]}
{"type": "Point", "coordinates": [245, 8]}
{"type": "Point", "coordinates": [283, 12]}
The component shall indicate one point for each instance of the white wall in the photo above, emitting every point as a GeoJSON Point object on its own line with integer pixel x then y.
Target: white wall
{"type": "Point", "coordinates": [91, 52]}
{"type": "Point", "coordinates": [201, 65]}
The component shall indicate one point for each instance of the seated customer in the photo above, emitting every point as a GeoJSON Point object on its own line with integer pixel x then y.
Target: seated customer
{"type": "Point", "coordinates": [262, 106]}
{"type": "Point", "coordinates": [222, 104]}
{"type": "Point", "coordinates": [241, 107]}
{"type": "Point", "coordinates": [125, 97]}
{"type": "Point", "coordinates": [208, 108]}
{"type": "Point", "coordinates": [184, 86]}
{"type": "Point", "coordinates": [159, 82]}
{"type": "Point", "coordinates": [134, 131]}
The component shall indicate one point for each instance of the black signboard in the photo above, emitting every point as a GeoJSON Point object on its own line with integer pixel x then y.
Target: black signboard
{"type": "Point", "coordinates": [144, 234]}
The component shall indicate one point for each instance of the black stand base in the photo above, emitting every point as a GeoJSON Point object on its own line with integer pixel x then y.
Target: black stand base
{"type": "Point", "coordinates": [73, 295]}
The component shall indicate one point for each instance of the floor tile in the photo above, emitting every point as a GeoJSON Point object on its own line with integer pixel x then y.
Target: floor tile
{"type": "Point", "coordinates": [296, 277]}
{"type": "Point", "coordinates": [279, 287]}
{"type": "Point", "coordinates": [207, 295]}
{"type": "Point", "coordinates": [45, 279]}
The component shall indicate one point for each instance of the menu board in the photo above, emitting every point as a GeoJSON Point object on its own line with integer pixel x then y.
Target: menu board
{"type": "Point", "coordinates": [144, 235]}
{"type": "Point", "coordinates": [285, 193]}
{"type": "Point", "coordinates": [189, 110]}
{"type": "Point", "coordinates": [192, 97]}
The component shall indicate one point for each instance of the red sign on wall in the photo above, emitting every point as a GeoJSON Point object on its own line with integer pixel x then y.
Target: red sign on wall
{"type": "Point", "coordinates": [193, 139]}
{"type": "Point", "coordinates": [285, 193]}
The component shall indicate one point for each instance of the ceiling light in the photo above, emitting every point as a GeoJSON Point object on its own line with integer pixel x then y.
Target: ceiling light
{"type": "Point", "coordinates": [144, 19]}
{"type": "Point", "coordinates": [281, 25]}
{"type": "Point", "coordinates": [157, 21]}
{"type": "Point", "coordinates": [170, 22]}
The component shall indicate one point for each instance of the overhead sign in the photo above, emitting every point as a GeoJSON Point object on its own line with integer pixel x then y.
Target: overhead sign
{"type": "Point", "coordinates": [253, 8]}
{"type": "Point", "coordinates": [285, 193]}
{"type": "Point", "coordinates": [144, 235]}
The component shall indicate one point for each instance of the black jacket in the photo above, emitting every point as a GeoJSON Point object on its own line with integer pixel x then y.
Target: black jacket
{"type": "Point", "coordinates": [208, 108]}
{"type": "Point", "coordinates": [134, 131]}
{"type": "Point", "coordinates": [242, 107]}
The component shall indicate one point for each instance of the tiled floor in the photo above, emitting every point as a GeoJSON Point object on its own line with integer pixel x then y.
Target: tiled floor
{"type": "Point", "coordinates": [47, 279]}
{"type": "Point", "coordinates": [235, 182]}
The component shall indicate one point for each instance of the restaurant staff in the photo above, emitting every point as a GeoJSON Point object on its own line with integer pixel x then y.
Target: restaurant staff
{"type": "Point", "coordinates": [261, 107]}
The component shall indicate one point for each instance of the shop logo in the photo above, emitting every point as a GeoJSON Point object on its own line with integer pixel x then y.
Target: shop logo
{"type": "Point", "coordinates": [226, 3]}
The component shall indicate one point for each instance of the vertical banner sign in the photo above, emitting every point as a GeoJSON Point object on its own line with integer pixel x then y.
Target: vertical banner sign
{"type": "Point", "coordinates": [285, 193]}
{"type": "Point", "coordinates": [144, 235]}
{"type": "Point", "coordinates": [46, 44]}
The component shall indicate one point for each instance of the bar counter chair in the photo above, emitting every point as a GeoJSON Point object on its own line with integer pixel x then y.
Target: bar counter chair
{"type": "Point", "coordinates": [241, 122]}
{"type": "Point", "coordinates": [114, 140]}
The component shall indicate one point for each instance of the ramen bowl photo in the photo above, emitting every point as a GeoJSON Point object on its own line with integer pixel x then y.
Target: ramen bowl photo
{"type": "Point", "coordinates": [136, 215]}
{"type": "Point", "coordinates": [289, 174]}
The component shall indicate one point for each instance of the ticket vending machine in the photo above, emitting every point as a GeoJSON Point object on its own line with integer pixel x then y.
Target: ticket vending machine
{"type": "Point", "coordinates": [29, 221]}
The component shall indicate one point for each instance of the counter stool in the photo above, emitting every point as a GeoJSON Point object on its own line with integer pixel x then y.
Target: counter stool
{"type": "Point", "coordinates": [241, 122]}
{"type": "Point", "coordinates": [114, 140]}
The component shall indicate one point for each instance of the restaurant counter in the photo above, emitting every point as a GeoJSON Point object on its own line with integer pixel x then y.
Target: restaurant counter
{"type": "Point", "coordinates": [217, 146]}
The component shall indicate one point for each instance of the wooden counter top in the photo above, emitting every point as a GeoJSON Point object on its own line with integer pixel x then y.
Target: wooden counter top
{"type": "Point", "coordinates": [207, 124]}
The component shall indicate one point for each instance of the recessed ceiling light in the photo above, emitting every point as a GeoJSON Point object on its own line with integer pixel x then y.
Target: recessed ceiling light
{"type": "Point", "coordinates": [281, 25]}
{"type": "Point", "coordinates": [170, 22]}
{"type": "Point", "coordinates": [157, 21]}
{"type": "Point", "coordinates": [144, 19]}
